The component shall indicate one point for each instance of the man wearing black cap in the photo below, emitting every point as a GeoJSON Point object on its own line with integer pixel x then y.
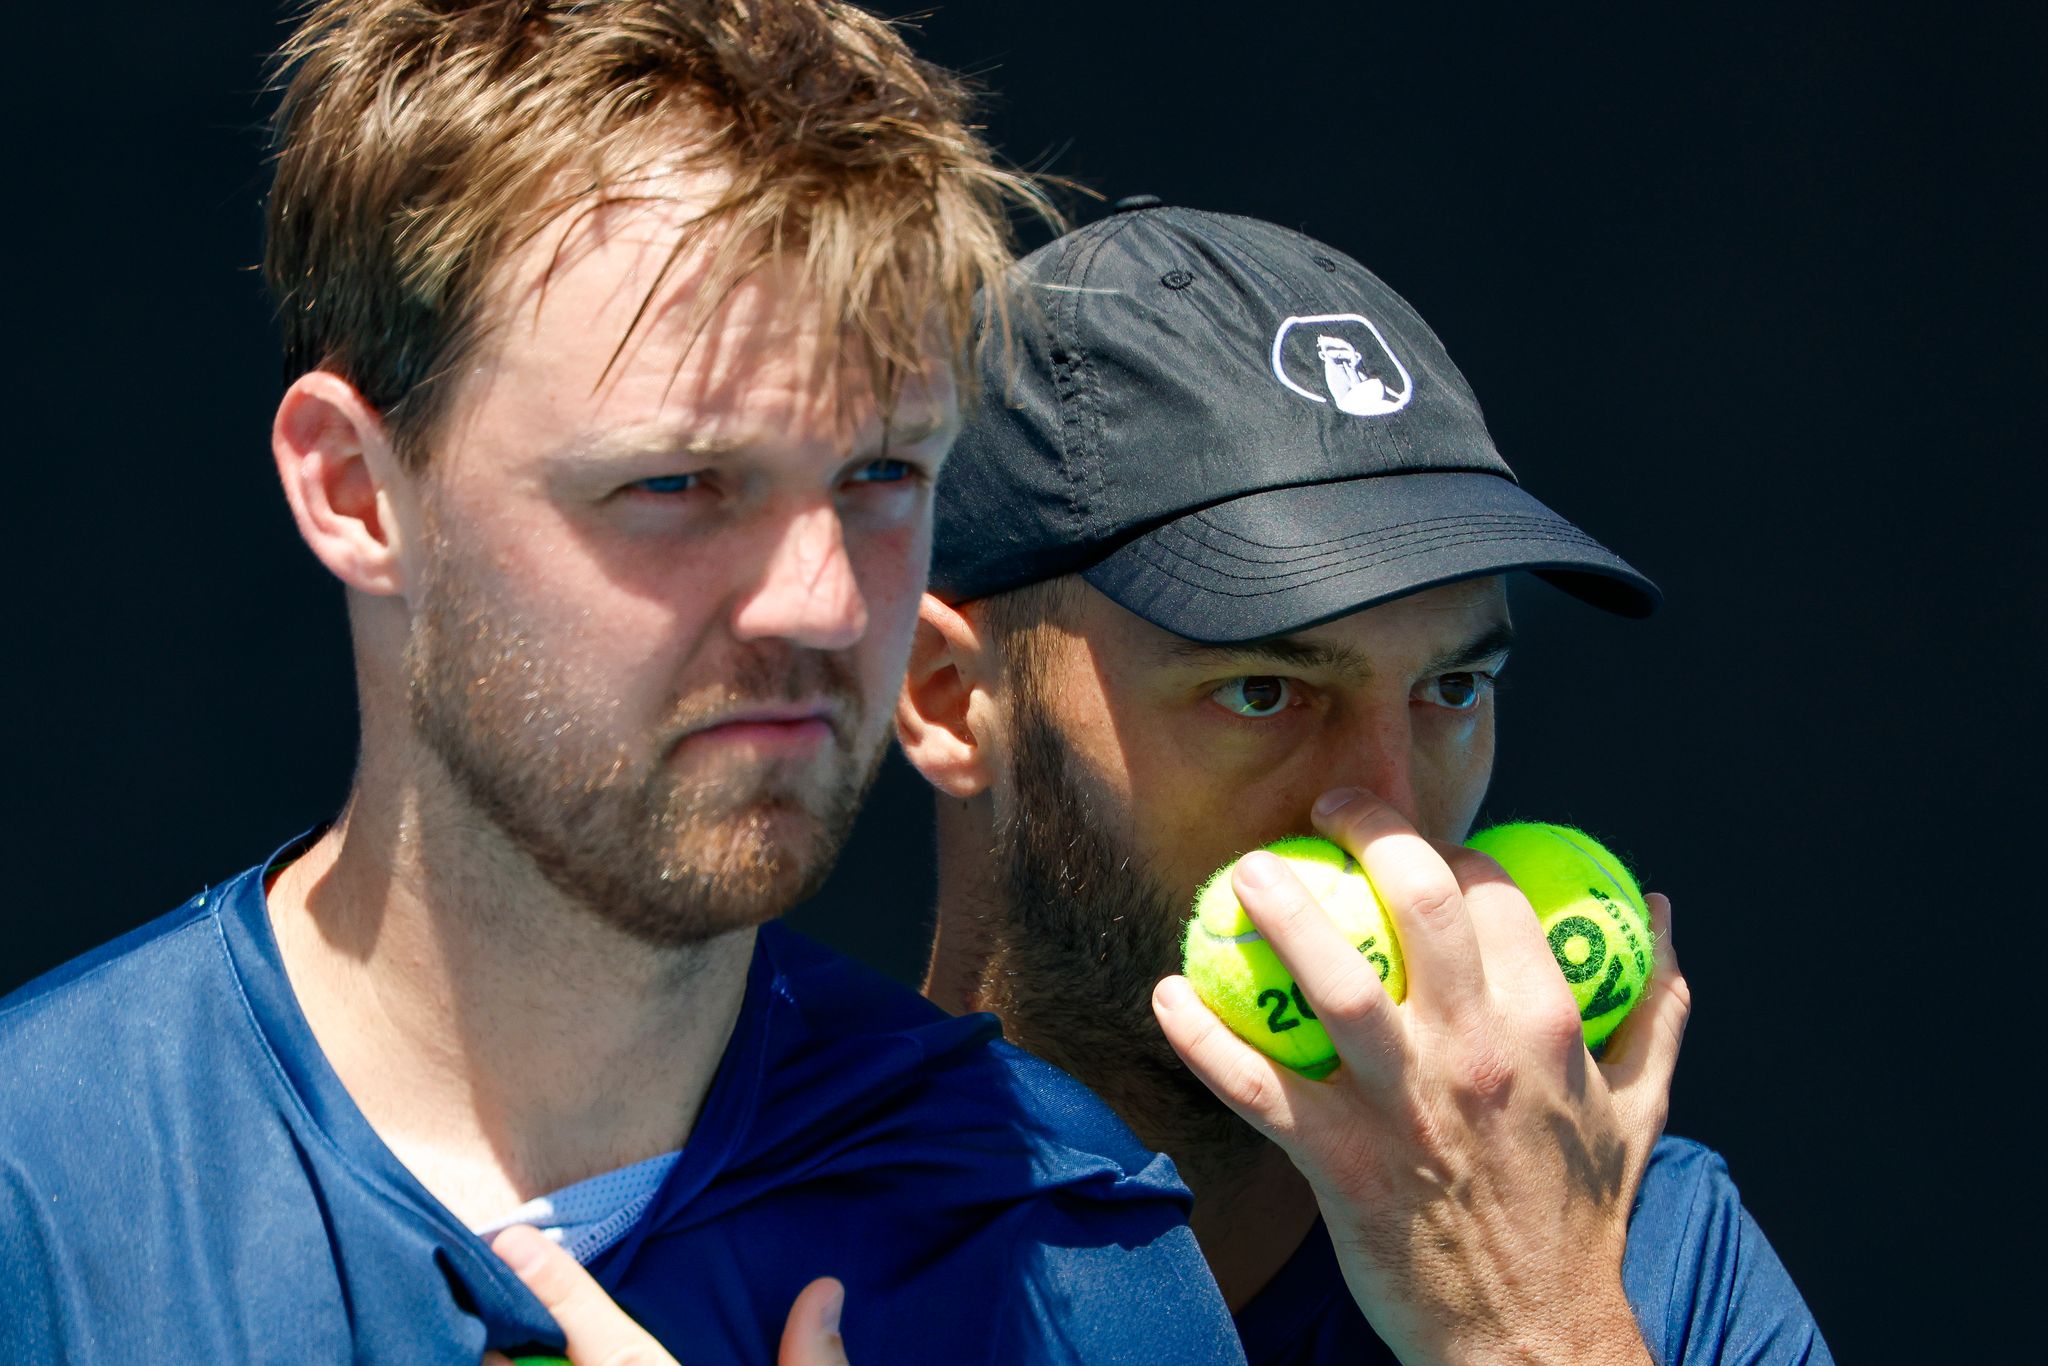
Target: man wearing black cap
{"type": "Point", "coordinates": [1220, 560]}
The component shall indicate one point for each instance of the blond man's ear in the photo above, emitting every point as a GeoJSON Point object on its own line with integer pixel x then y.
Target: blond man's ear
{"type": "Point", "coordinates": [341, 478]}
{"type": "Point", "coordinates": [944, 711]}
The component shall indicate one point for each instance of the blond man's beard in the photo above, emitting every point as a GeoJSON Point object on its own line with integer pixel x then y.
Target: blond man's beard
{"type": "Point", "coordinates": [669, 860]}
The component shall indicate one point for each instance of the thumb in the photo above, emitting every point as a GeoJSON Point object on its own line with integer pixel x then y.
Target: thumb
{"type": "Point", "coordinates": [596, 1329]}
{"type": "Point", "coordinates": [811, 1338]}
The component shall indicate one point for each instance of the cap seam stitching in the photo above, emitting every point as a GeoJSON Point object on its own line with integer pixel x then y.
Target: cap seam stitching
{"type": "Point", "coordinates": [1062, 330]}
{"type": "Point", "coordinates": [1272, 569]}
{"type": "Point", "coordinates": [1357, 568]}
{"type": "Point", "coordinates": [1086, 489]}
{"type": "Point", "coordinates": [1397, 528]}
{"type": "Point", "coordinates": [1246, 249]}
{"type": "Point", "coordinates": [1349, 565]}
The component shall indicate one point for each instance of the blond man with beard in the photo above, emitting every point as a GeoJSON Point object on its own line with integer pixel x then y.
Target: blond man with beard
{"type": "Point", "coordinates": [623, 343]}
{"type": "Point", "coordinates": [1188, 598]}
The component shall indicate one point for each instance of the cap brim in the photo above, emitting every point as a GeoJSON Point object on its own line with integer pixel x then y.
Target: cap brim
{"type": "Point", "coordinates": [1289, 558]}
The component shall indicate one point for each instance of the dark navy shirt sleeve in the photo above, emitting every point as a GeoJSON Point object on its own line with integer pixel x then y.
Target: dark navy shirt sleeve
{"type": "Point", "coordinates": [1079, 1299]}
{"type": "Point", "coordinates": [1704, 1282]}
{"type": "Point", "coordinates": [1705, 1286]}
{"type": "Point", "coordinates": [31, 1312]}
{"type": "Point", "coordinates": [184, 1178]}
{"type": "Point", "coordinates": [981, 1207]}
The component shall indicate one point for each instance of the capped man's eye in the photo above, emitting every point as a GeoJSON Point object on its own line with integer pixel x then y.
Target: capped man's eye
{"type": "Point", "coordinates": [1456, 691]}
{"type": "Point", "coordinates": [1255, 695]}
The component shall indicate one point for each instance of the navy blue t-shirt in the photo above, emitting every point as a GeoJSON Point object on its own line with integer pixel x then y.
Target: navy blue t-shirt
{"type": "Point", "coordinates": [183, 1179]}
{"type": "Point", "coordinates": [1703, 1283]}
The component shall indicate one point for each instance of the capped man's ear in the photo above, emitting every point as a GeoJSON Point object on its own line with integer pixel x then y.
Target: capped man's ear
{"type": "Point", "coordinates": [342, 480]}
{"type": "Point", "coordinates": [944, 713]}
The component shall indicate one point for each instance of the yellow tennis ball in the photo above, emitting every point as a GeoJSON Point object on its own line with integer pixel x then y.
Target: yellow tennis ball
{"type": "Point", "coordinates": [1591, 910]}
{"type": "Point", "coordinates": [1237, 974]}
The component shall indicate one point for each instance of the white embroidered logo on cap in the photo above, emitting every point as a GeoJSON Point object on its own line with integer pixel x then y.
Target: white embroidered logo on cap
{"type": "Point", "coordinates": [1341, 358]}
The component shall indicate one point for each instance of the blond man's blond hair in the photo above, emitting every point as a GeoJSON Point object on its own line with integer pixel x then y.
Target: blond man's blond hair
{"type": "Point", "coordinates": [418, 142]}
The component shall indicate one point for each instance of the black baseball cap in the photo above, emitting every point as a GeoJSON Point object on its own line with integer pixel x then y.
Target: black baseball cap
{"type": "Point", "coordinates": [1234, 431]}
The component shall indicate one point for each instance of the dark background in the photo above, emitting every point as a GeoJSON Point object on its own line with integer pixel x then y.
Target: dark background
{"type": "Point", "coordinates": [1749, 293]}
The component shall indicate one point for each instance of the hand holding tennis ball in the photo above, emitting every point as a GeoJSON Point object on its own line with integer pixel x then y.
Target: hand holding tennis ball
{"type": "Point", "coordinates": [1237, 974]}
{"type": "Point", "coordinates": [1589, 905]}
{"type": "Point", "coordinates": [1591, 910]}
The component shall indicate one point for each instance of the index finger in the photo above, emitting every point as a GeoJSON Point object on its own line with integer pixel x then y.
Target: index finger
{"type": "Point", "coordinates": [1422, 897]}
{"type": "Point", "coordinates": [597, 1330]}
{"type": "Point", "coordinates": [1329, 970]}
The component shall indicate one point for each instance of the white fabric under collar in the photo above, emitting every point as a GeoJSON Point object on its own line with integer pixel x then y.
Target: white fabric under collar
{"type": "Point", "coordinates": [590, 1216]}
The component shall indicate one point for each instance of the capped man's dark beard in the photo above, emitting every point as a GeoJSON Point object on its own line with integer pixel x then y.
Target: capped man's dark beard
{"type": "Point", "coordinates": [1088, 931]}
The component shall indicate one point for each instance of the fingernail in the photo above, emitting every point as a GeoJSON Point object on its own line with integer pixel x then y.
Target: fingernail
{"type": "Point", "coordinates": [520, 1247]}
{"type": "Point", "coordinates": [1172, 993]}
{"type": "Point", "coordinates": [1336, 799]}
{"type": "Point", "coordinates": [1258, 869]}
{"type": "Point", "coordinates": [834, 1307]}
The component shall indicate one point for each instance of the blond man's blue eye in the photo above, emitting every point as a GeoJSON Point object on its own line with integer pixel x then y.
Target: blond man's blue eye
{"type": "Point", "coordinates": [668, 483]}
{"type": "Point", "coordinates": [883, 472]}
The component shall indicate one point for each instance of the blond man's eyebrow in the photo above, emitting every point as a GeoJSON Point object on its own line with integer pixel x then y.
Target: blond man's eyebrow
{"type": "Point", "coordinates": [916, 430]}
{"type": "Point", "coordinates": [653, 444]}
{"type": "Point", "coordinates": [622, 447]}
